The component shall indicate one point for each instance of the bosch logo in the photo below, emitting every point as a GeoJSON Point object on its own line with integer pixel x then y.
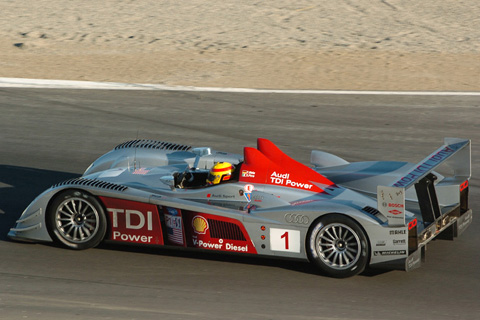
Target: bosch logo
{"type": "Point", "coordinates": [395, 205]}
{"type": "Point", "coordinates": [296, 218]}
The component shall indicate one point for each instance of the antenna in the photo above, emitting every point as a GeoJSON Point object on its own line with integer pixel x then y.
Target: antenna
{"type": "Point", "coordinates": [135, 155]}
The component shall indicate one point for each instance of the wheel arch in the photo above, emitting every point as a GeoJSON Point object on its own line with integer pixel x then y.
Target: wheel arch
{"type": "Point", "coordinates": [65, 190]}
{"type": "Point", "coordinates": [54, 196]}
{"type": "Point", "coordinates": [333, 213]}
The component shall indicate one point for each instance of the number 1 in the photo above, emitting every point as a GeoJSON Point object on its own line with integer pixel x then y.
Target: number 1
{"type": "Point", "coordinates": [285, 235]}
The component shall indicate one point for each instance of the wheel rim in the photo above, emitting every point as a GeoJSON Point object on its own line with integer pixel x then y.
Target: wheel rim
{"type": "Point", "coordinates": [77, 220]}
{"type": "Point", "coordinates": [338, 246]}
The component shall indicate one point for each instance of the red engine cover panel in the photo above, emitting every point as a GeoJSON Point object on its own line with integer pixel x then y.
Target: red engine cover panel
{"type": "Point", "coordinates": [269, 165]}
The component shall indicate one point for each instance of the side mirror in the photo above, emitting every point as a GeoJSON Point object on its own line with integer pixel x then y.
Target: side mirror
{"type": "Point", "coordinates": [199, 152]}
{"type": "Point", "coordinates": [169, 181]}
{"type": "Point", "coordinates": [202, 151]}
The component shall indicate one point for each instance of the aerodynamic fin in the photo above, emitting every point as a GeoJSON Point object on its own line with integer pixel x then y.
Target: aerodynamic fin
{"type": "Point", "coordinates": [269, 165]}
{"type": "Point", "coordinates": [434, 200]}
{"type": "Point", "coordinates": [456, 151]}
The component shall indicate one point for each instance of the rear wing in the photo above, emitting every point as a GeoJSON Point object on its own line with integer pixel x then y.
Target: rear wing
{"type": "Point", "coordinates": [451, 194]}
{"type": "Point", "coordinates": [457, 150]}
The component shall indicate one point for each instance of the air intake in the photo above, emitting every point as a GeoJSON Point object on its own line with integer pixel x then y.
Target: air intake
{"type": "Point", "coordinates": [225, 230]}
{"type": "Point", "coordinates": [153, 144]}
{"type": "Point", "coordinates": [91, 183]}
{"type": "Point", "coordinates": [371, 210]}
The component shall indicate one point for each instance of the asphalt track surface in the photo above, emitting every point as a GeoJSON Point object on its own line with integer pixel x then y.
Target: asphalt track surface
{"type": "Point", "coordinates": [51, 135]}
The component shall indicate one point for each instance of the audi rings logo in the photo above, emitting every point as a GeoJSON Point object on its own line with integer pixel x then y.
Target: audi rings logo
{"type": "Point", "coordinates": [296, 218]}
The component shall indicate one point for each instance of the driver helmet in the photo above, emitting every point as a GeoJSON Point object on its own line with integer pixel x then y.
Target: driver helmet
{"type": "Point", "coordinates": [221, 171]}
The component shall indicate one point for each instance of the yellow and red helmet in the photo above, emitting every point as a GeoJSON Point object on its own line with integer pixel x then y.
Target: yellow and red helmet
{"type": "Point", "coordinates": [221, 171]}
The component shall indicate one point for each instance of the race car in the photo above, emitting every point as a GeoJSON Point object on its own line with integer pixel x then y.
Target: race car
{"type": "Point", "coordinates": [342, 217]}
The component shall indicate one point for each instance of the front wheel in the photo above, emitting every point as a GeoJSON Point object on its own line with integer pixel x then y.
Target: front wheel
{"type": "Point", "coordinates": [76, 220]}
{"type": "Point", "coordinates": [338, 246]}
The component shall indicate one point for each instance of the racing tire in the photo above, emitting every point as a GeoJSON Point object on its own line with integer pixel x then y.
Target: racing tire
{"type": "Point", "coordinates": [338, 246]}
{"type": "Point", "coordinates": [76, 220]}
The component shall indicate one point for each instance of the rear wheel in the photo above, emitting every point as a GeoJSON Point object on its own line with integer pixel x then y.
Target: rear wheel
{"type": "Point", "coordinates": [338, 246]}
{"type": "Point", "coordinates": [76, 220]}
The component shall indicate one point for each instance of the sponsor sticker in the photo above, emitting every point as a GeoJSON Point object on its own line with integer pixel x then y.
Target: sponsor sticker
{"type": "Point", "coordinates": [381, 243]}
{"type": "Point", "coordinates": [428, 164]}
{"type": "Point", "coordinates": [296, 218]}
{"type": "Point", "coordinates": [172, 211]}
{"type": "Point", "coordinates": [132, 221]}
{"type": "Point", "coordinates": [220, 196]}
{"type": "Point", "coordinates": [391, 204]}
{"type": "Point", "coordinates": [219, 244]}
{"type": "Point", "coordinates": [412, 224]}
{"type": "Point", "coordinates": [283, 179]}
{"type": "Point", "coordinates": [395, 232]}
{"type": "Point", "coordinates": [211, 232]}
{"type": "Point", "coordinates": [395, 205]}
{"type": "Point", "coordinates": [414, 261]}
{"type": "Point", "coordinates": [464, 185]}
{"type": "Point", "coordinates": [248, 174]}
{"type": "Point", "coordinates": [141, 171]}
{"type": "Point", "coordinates": [200, 225]}
{"type": "Point", "coordinates": [173, 222]}
{"type": "Point", "coordinates": [395, 212]}
{"type": "Point", "coordinates": [248, 191]}
{"type": "Point", "coordinates": [390, 253]}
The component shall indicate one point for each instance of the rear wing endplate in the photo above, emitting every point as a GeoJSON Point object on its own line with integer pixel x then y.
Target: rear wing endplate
{"type": "Point", "coordinates": [391, 204]}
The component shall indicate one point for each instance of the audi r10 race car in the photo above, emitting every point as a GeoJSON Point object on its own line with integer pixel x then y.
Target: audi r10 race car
{"type": "Point", "coordinates": [341, 216]}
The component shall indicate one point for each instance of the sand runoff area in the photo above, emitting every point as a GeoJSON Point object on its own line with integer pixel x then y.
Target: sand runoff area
{"type": "Point", "coordinates": [343, 44]}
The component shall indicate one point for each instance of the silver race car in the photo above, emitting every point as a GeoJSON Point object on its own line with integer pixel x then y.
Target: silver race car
{"type": "Point", "coordinates": [341, 216]}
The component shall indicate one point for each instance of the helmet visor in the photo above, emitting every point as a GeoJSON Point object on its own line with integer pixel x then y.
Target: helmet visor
{"type": "Point", "coordinates": [213, 179]}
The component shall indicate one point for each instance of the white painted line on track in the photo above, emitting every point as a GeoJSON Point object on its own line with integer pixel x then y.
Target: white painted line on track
{"type": "Point", "coordinates": [70, 84]}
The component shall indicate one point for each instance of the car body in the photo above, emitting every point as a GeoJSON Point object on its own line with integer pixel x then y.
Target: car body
{"type": "Point", "coordinates": [341, 216]}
